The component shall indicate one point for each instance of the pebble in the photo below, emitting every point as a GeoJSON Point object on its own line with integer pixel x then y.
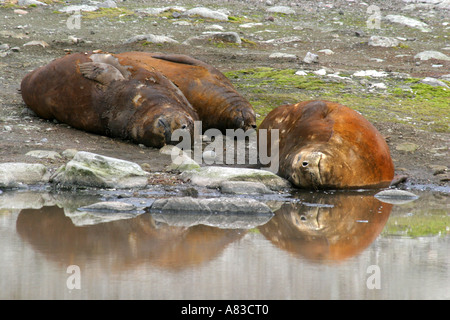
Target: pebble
{"type": "Point", "coordinates": [151, 38]}
{"type": "Point", "coordinates": [370, 73]}
{"type": "Point", "coordinates": [407, 147]}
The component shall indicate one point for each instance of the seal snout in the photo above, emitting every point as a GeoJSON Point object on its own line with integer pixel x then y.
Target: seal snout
{"type": "Point", "coordinates": [307, 168]}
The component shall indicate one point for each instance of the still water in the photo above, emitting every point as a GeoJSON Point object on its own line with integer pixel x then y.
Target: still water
{"type": "Point", "coordinates": [316, 246]}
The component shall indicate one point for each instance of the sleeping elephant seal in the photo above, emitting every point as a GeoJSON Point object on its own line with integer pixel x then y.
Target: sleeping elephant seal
{"type": "Point", "coordinates": [325, 145]}
{"type": "Point", "coordinates": [212, 95]}
{"type": "Point", "coordinates": [95, 93]}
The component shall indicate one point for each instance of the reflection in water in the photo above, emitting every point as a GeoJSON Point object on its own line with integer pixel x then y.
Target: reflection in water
{"type": "Point", "coordinates": [121, 244]}
{"type": "Point", "coordinates": [324, 227]}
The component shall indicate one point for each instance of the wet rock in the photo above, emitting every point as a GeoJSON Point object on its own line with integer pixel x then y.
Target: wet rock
{"type": "Point", "coordinates": [281, 9]}
{"type": "Point", "coordinates": [93, 170]}
{"type": "Point", "coordinates": [225, 220]}
{"type": "Point", "coordinates": [407, 147]}
{"type": "Point", "coordinates": [206, 13]}
{"type": "Point", "coordinates": [434, 82]}
{"type": "Point", "coordinates": [311, 58]}
{"type": "Point", "coordinates": [13, 175]}
{"type": "Point", "coordinates": [210, 205]}
{"type": "Point", "coordinates": [44, 154]}
{"type": "Point", "coordinates": [244, 188]}
{"type": "Point", "coordinates": [385, 42]}
{"type": "Point", "coordinates": [410, 22]}
{"type": "Point", "coordinates": [395, 196]}
{"type": "Point", "coordinates": [152, 38]}
{"type": "Point", "coordinates": [213, 176]}
{"type": "Point", "coordinates": [102, 212]}
{"type": "Point", "coordinates": [426, 55]}
{"type": "Point", "coordinates": [109, 206]}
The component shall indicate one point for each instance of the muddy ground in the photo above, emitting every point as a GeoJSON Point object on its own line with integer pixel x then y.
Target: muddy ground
{"type": "Point", "coordinates": [336, 25]}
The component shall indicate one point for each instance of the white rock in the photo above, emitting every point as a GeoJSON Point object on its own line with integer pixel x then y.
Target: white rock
{"type": "Point", "coordinates": [281, 55]}
{"type": "Point", "coordinates": [93, 170]}
{"type": "Point", "coordinates": [370, 73]}
{"type": "Point", "coordinates": [206, 13]}
{"type": "Point", "coordinates": [301, 73]}
{"type": "Point", "coordinates": [41, 154]}
{"type": "Point", "coordinates": [311, 58]}
{"type": "Point", "coordinates": [410, 22]}
{"type": "Point", "coordinates": [326, 51]}
{"type": "Point", "coordinates": [320, 72]}
{"type": "Point", "coordinates": [151, 38]}
{"type": "Point", "coordinates": [281, 9]}
{"type": "Point", "coordinates": [385, 42]}
{"type": "Point", "coordinates": [434, 82]}
{"type": "Point", "coordinates": [19, 174]}
{"type": "Point", "coordinates": [41, 43]}
{"type": "Point", "coordinates": [78, 8]}
{"type": "Point", "coordinates": [213, 176]}
{"type": "Point", "coordinates": [30, 2]}
{"type": "Point", "coordinates": [250, 25]}
{"type": "Point", "coordinates": [426, 55]}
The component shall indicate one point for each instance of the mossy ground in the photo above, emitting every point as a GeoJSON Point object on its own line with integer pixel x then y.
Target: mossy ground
{"type": "Point", "coordinates": [404, 101]}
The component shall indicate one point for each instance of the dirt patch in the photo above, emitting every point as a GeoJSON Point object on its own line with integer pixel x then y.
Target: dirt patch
{"type": "Point", "coordinates": [337, 25]}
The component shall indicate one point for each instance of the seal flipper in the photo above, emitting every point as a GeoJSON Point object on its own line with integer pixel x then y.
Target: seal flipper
{"type": "Point", "coordinates": [180, 58]}
{"type": "Point", "coordinates": [103, 73]}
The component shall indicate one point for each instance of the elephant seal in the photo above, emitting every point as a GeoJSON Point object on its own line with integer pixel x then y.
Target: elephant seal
{"type": "Point", "coordinates": [325, 145]}
{"type": "Point", "coordinates": [212, 95]}
{"type": "Point", "coordinates": [95, 93]}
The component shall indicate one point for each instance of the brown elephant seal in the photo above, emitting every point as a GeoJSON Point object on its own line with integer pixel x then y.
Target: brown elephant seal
{"type": "Point", "coordinates": [95, 93]}
{"type": "Point", "coordinates": [325, 145]}
{"type": "Point", "coordinates": [212, 95]}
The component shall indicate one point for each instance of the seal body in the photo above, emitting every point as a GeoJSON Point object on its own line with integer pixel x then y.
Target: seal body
{"type": "Point", "coordinates": [325, 145]}
{"type": "Point", "coordinates": [212, 95]}
{"type": "Point", "coordinates": [95, 93]}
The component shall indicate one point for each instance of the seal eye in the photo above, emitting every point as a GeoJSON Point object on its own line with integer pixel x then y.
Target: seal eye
{"type": "Point", "coordinates": [183, 126]}
{"type": "Point", "coordinates": [303, 218]}
{"type": "Point", "coordinates": [305, 163]}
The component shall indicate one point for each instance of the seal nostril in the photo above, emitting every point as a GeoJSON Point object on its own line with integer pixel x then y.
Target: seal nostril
{"type": "Point", "coordinates": [305, 163]}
